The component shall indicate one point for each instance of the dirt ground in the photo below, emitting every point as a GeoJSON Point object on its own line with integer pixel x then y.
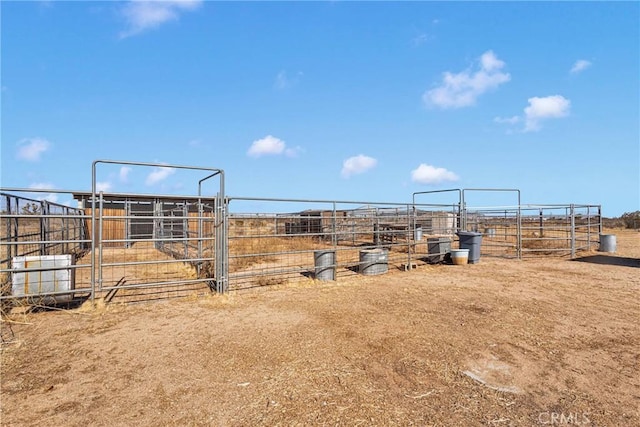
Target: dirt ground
{"type": "Point", "coordinates": [545, 341]}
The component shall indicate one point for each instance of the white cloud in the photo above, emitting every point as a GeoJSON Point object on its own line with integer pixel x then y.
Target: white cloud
{"type": "Point", "coordinates": [159, 174]}
{"type": "Point", "coordinates": [30, 149]}
{"type": "Point", "coordinates": [51, 197]}
{"type": "Point", "coordinates": [103, 186]}
{"type": "Point", "coordinates": [124, 174]}
{"type": "Point", "coordinates": [357, 165]}
{"type": "Point", "coordinates": [142, 15]}
{"type": "Point", "coordinates": [420, 39]}
{"type": "Point", "coordinates": [269, 145]}
{"type": "Point", "coordinates": [580, 65]}
{"type": "Point", "coordinates": [508, 120]}
{"type": "Point", "coordinates": [293, 152]}
{"type": "Point", "coordinates": [427, 174]}
{"type": "Point", "coordinates": [549, 107]}
{"type": "Point", "coordinates": [464, 88]}
{"type": "Point", "coordinates": [284, 81]}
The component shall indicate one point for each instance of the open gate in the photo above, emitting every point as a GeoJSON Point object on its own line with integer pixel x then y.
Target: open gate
{"type": "Point", "coordinates": [172, 243]}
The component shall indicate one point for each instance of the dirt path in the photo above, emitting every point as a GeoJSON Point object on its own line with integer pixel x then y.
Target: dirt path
{"type": "Point", "coordinates": [502, 343]}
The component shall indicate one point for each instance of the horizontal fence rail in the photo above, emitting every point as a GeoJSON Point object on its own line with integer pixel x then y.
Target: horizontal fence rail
{"type": "Point", "coordinates": [533, 230]}
{"type": "Point", "coordinates": [127, 246]}
{"type": "Point", "coordinates": [135, 247]}
{"type": "Point", "coordinates": [286, 243]}
{"type": "Point", "coordinates": [39, 229]}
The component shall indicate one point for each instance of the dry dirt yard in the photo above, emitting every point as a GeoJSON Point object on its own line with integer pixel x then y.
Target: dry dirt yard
{"type": "Point", "coordinates": [501, 343]}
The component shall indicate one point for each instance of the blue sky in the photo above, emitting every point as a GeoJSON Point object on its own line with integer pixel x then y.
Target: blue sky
{"type": "Point", "coordinates": [326, 100]}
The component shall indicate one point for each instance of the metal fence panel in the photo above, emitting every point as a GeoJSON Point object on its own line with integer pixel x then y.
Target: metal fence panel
{"type": "Point", "coordinates": [35, 231]}
{"type": "Point", "coordinates": [147, 246]}
{"type": "Point", "coordinates": [280, 243]}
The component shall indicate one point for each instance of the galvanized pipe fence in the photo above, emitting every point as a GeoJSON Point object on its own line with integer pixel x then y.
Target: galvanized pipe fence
{"type": "Point", "coordinates": [280, 245]}
{"type": "Point", "coordinates": [146, 246]}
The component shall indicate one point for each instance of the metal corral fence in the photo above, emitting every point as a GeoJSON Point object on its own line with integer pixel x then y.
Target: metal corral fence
{"type": "Point", "coordinates": [307, 238]}
{"type": "Point", "coordinates": [140, 247]}
{"type": "Point", "coordinates": [171, 244]}
{"type": "Point", "coordinates": [40, 246]}
{"type": "Point", "coordinates": [534, 230]}
{"type": "Point", "coordinates": [39, 227]}
{"type": "Point", "coordinates": [143, 247]}
{"type": "Point", "coordinates": [133, 246]}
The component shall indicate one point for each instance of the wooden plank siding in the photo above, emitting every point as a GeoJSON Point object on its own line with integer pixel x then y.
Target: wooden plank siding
{"type": "Point", "coordinates": [112, 229]}
{"type": "Point", "coordinates": [115, 228]}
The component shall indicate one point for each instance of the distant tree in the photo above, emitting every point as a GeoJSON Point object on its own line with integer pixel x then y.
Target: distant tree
{"type": "Point", "coordinates": [31, 209]}
{"type": "Point", "coordinates": [631, 219]}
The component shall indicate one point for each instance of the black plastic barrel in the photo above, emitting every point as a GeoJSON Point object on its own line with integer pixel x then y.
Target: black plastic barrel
{"type": "Point", "coordinates": [472, 241]}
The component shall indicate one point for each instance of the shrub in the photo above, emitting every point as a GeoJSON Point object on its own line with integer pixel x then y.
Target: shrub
{"type": "Point", "coordinates": [631, 219]}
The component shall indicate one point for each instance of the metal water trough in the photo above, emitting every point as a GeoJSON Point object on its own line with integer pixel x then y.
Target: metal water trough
{"type": "Point", "coordinates": [374, 261]}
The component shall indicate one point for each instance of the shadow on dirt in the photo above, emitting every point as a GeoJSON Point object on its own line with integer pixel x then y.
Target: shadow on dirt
{"type": "Point", "coordinates": [610, 260]}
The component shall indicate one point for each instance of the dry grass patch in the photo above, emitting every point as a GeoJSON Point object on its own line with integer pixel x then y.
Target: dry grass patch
{"type": "Point", "coordinates": [248, 251]}
{"type": "Point", "coordinates": [545, 245]}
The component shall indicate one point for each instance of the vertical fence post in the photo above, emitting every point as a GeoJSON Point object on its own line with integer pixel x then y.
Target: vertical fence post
{"type": "Point", "coordinates": [599, 220]}
{"type": "Point", "coordinates": [200, 219]}
{"type": "Point", "coordinates": [225, 237]}
{"type": "Point", "coordinates": [588, 228]}
{"type": "Point", "coordinates": [43, 228]}
{"type": "Point", "coordinates": [75, 237]}
{"type": "Point", "coordinates": [217, 244]}
{"type": "Point", "coordinates": [12, 249]}
{"type": "Point", "coordinates": [519, 232]}
{"type": "Point", "coordinates": [93, 239]}
{"type": "Point", "coordinates": [185, 228]}
{"type": "Point", "coordinates": [127, 223]}
{"type": "Point", "coordinates": [541, 221]}
{"type": "Point", "coordinates": [334, 235]}
{"type": "Point", "coordinates": [506, 225]}
{"type": "Point", "coordinates": [410, 236]}
{"type": "Point", "coordinates": [157, 224]}
{"type": "Point", "coordinates": [573, 231]}
{"type": "Point", "coordinates": [100, 237]}
{"type": "Point", "coordinates": [221, 241]}
{"type": "Point", "coordinates": [47, 225]}
{"type": "Point", "coordinates": [461, 212]}
{"type": "Point", "coordinates": [65, 232]}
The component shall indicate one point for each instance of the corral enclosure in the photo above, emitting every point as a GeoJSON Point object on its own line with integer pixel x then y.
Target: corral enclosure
{"type": "Point", "coordinates": [499, 343]}
{"type": "Point", "coordinates": [145, 246]}
{"type": "Point", "coordinates": [416, 342]}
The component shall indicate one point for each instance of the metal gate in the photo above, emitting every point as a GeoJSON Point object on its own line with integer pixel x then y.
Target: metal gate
{"type": "Point", "coordinates": [167, 243]}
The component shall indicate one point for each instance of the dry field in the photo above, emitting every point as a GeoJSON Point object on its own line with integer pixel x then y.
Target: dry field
{"type": "Point", "coordinates": [545, 341]}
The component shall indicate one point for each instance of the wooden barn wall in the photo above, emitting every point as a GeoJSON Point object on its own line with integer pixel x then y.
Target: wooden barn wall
{"type": "Point", "coordinates": [112, 229]}
{"type": "Point", "coordinates": [115, 229]}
